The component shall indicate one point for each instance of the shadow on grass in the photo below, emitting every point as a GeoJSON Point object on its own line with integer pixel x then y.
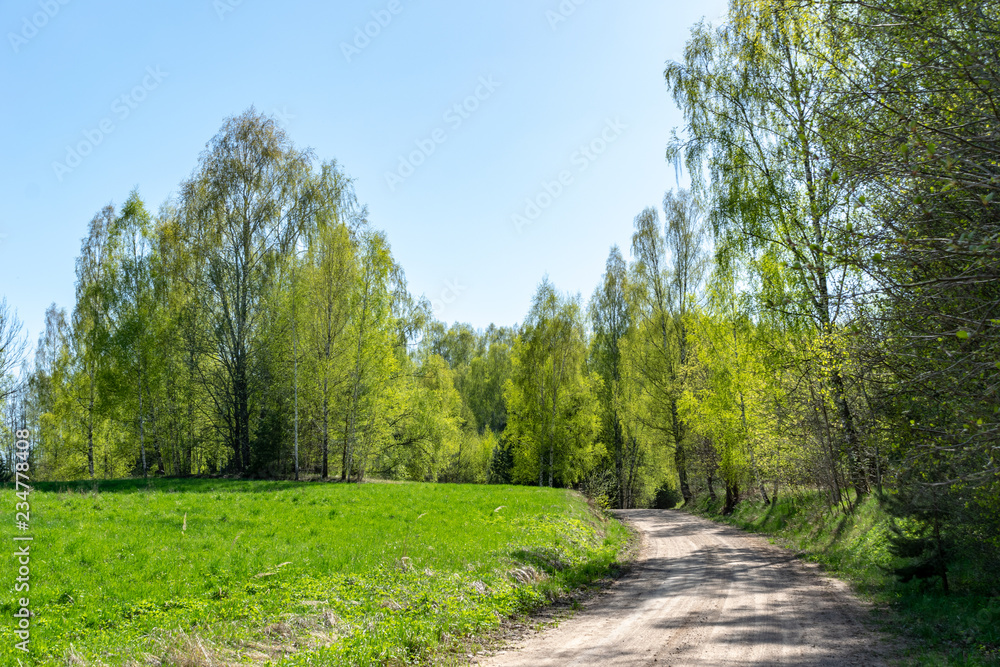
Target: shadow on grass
{"type": "Point", "coordinates": [166, 485]}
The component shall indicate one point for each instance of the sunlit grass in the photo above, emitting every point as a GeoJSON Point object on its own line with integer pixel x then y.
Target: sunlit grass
{"type": "Point", "coordinates": [278, 570]}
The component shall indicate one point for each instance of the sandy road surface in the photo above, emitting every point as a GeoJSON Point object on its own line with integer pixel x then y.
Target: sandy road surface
{"type": "Point", "coordinates": [705, 594]}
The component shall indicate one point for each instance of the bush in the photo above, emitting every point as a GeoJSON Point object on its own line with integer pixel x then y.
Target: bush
{"type": "Point", "coordinates": [600, 486]}
{"type": "Point", "coordinates": [667, 498]}
{"type": "Point", "coordinates": [501, 463]}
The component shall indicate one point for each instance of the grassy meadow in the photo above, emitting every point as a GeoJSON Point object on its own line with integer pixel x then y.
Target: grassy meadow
{"type": "Point", "coordinates": [961, 629]}
{"type": "Point", "coordinates": [215, 572]}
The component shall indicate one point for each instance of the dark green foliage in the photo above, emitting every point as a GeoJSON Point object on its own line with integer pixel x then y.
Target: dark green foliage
{"type": "Point", "coordinates": [915, 130]}
{"type": "Point", "coordinates": [501, 463]}
{"type": "Point", "coordinates": [667, 497]}
{"type": "Point", "coordinates": [732, 497]}
{"type": "Point", "coordinates": [924, 550]}
{"type": "Point", "coordinates": [271, 442]}
{"type": "Point", "coordinates": [924, 515]}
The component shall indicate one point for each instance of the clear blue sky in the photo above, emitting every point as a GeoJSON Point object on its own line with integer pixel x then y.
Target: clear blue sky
{"type": "Point", "coordinates": [140, 87]}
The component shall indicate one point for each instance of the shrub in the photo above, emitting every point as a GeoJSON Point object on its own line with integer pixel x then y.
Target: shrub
{"type": "Point", "coordinates": [667, 498]}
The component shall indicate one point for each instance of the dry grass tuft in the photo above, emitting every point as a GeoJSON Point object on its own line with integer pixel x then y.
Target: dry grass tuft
{"type": "Point", "coordinates": [527, 575]}
{"type": "Point", "coordinates": [278, 629]}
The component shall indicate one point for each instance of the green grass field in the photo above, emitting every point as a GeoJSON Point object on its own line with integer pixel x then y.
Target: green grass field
{"type": "Point", "coordinates": [213, 572]}
{"type": "Point", "coordinates": [961, 630]}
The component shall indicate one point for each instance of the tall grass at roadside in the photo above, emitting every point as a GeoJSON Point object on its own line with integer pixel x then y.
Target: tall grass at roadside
{"type": "Point", "coordinates": [961, 629]}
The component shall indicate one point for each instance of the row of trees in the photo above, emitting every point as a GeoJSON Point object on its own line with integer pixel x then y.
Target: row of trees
{"type": "Point", "coordinates": [846, 153]}
{"type": "Point", "coordinates": [257, 325]}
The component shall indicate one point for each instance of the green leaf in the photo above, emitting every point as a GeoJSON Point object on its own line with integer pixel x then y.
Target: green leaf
{"type": "Point", "coordinates": [963, 334]}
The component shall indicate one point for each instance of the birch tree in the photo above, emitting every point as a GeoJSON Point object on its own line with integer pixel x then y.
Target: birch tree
{"type": "Point", "coordinates": [243, 208]}
{"type": "Point", "coordinates": [666, 293]}
{"type": "Point", "coordinates": [550, 400]}
{"type": "Point", "coordinates": [611, 312]}
{"type": "Point", "coordinates": [754, 144]}
{"type": "Point", "coordinates": [90, 324]}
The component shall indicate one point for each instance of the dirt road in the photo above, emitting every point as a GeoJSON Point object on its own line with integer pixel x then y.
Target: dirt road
{"type": "Point", "coordinates": [705, 594]}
